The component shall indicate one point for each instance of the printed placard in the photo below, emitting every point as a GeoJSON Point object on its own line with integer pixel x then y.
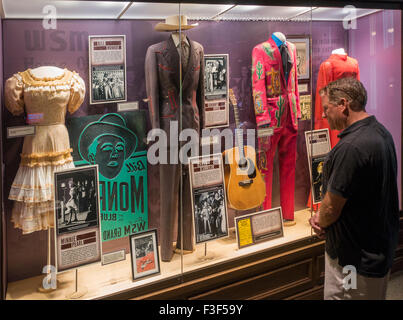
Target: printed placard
{"type": "Point", "coordinates": [216, 86]}
{"type": "Point", "coordinates": [77, 231]}
{"type": "Point", "coordinates": [113, 257]}
{"type": "Point", "coordinates": [265, 132]}
{"type": "Point", "coordinates": [259, 227]}
{"type": "Point", "coordinates": [107, 69]}
{"type": "Point", "coordinates": [303, 88]}
{"type": "Point", "coordinates": [144, 254]}
{"type": "Point", "coordinates": [20, 131]}
{"type": "Point", "coordinates": [128, 106]}
{"type": "Point", "coordinates": [209, 203]}
{"type": "Point", "coordinates": [318, 146]}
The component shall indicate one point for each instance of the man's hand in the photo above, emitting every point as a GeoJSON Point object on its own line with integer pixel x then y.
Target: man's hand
{"type": "Point", "coordinates": [314, 222]}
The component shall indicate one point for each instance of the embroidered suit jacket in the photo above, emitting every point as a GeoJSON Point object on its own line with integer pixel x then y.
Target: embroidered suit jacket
{"type": "Point", "coordinates": [162, 73]}
{"type": "Point", "coordinates": [271, 93]}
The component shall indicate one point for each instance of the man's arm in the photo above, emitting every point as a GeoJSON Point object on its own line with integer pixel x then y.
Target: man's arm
{"type": "Point", "coordinates": [330, 209]}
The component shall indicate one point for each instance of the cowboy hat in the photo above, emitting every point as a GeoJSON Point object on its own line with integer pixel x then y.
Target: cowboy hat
{"type": "Point", "coordinates": [112, 124]}
{"type": "Point", "coordinates": [172, 24]}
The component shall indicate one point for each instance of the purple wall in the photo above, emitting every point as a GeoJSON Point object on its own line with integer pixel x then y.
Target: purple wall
{"type": "Point", "coordinates": [3, 264]}
{"type": "Point", "coordinates": [65, 48]}
{"type": "Point", "coordinates": [376, 44]}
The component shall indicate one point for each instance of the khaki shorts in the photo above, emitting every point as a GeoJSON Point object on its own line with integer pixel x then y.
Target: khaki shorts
{"type": "Point", "coordinates": [366, 288]}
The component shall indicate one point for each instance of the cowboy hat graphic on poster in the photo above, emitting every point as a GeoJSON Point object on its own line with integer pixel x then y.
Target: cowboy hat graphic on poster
{"type": "Point", "coordinates": [115, 142]}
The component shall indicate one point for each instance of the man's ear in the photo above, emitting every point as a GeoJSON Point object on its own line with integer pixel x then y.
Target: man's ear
{"type": "Point", "coordinates": [91, 158]}
{"type": "Point", "coordinates": [344, 103]}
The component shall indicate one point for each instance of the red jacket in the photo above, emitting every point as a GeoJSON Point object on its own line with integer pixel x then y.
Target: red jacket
{"type": "Point", "coordinates": [271, 93]}
{"type": "Point", "coordinates": [337, 66]}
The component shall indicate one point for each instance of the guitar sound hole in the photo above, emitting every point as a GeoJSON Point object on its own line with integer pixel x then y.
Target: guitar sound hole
{"type": "Point", "coordinates": [251, 170]}
{"type": "Point", "coordinates": [243, 163]}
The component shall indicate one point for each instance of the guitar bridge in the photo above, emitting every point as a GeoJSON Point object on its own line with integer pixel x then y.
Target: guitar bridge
{"type": "Point", "coordinates": [245, 182]}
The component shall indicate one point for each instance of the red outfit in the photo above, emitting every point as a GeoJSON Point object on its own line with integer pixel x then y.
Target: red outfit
{"type": "Point", "coordinates": [276, 103]}
{"type": "Point", "coordinates": [337, 66]}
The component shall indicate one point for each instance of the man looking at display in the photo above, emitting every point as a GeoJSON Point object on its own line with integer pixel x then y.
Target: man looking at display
{"type": "Point", "coordinates": [359, 214]}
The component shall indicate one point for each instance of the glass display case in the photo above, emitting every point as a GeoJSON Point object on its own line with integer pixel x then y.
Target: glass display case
{"type": "Point", "coordinates": [175, 150]}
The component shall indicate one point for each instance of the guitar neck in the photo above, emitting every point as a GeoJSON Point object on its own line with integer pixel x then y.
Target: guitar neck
{"type": "Point", "coordinates": [239, 135]}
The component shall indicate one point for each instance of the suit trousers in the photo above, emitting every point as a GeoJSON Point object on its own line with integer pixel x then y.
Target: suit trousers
{"type": "Point", "coordinates": [365, 288]}
{"type": "Point", "coordinates": [284, 140]}
{"type": "Point", "coordinates": [170, 210]}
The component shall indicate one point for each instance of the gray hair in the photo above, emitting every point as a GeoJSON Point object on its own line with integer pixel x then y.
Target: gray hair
{"type": "Point", "coordinates": [348, 88]}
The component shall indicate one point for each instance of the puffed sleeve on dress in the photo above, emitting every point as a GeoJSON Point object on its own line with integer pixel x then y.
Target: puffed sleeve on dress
{"type": "Point", "coordinates": [77, 93]}
{"type": "Point", "coordinates": [14, 95]}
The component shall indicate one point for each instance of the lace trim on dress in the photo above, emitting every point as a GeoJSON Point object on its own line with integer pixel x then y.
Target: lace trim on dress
{"type": "Point", "coordinates": [45, 159]}
{"type": "Point", "coordinates": [45, 154]}
{"type": "Point", "coordinates": [52, 88]}
{"type": "Point", "coordinates": [33, 217]}
{"type": "Point", "coordinates": [46, 78]}
{"type": "Point", "coordinates": [31, 81]}
{"type": "Point", "coordinates": [47, 163]}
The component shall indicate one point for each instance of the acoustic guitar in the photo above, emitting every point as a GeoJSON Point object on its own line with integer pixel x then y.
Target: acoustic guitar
{"type": "Point", "coordinates": [244, 183]}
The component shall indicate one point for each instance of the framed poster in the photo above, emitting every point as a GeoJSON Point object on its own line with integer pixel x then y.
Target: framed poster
{"type": "Point", "coordinates": [259, 227]}
{"type": "Point", "coordinates": [216, 86]}
{"type": "Point", "coordinates": [305, 103]}
{"type": "Point", "coordinates": [318, 146]}
{"type": "Point", "coordinates": [77, 230]}
{"type": "Point", "coordinates": [144, 254]}
{"type": "Point", "coordinates": [107, 69]}
{"type": "Point", "coordinates": [116, 142]}
{"type": "Point", "coordinates": [303, 47]}
{"type": "Point", "coordinates": [209, 203]}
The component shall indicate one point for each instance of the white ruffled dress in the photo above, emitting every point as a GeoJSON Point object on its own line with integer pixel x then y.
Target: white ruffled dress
{"type": "Point", "coordinates": [45, 100]}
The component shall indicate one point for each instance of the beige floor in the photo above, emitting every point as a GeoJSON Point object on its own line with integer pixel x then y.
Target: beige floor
{"type": "Point", "coordinates": [101, 281]}
{"type": "Point", "coordinates": [395, 287]}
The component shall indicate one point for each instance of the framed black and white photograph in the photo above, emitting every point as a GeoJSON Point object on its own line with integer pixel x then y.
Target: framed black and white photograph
{"type": "Point", "coordinates": [209, 201]}
{"type": "Point", "coordinates": [317, 183]}
{"type": "Point", "coordinates": [76, 199]}
{"type": "Point", "coordinates": [144, 254]}
{"type": "Point", "coordinates": [216, 86]}
{"type": "Point", "coordinates": [210, 217]}
{"type": "Point", "coordinates": [303, 47]}
{"type": "Point", "coordinates": [77, 230]}
{"type": "Point", "coordinates": [215, 76]}
{"type": "Point", "coordinates": [107, 69]}
{"type": "Point", "coordinates": [317, 146]}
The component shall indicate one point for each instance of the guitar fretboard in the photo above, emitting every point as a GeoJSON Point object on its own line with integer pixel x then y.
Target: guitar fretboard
{"type": "Point", "coordinates": [238, 131]}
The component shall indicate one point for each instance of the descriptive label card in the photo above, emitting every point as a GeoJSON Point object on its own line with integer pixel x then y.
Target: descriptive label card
{"type": "Point", "coordinates": [205, 141]}
{"type": "Point", "coordinates": [20, 131]}
{"type": "Point", "coordinates": [128, 106]}
{"type": "Point", "coordinates": [113, 257]}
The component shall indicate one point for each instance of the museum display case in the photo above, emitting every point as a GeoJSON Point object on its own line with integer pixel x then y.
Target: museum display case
{"type": "Point", "coordinates": [175, 150]}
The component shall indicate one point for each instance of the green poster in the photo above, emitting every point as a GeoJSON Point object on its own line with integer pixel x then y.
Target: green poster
{"type": "Point", "coordinates": [116, 143]}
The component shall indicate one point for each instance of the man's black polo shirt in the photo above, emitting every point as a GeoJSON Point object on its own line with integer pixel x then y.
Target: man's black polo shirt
{"type": "Point", "coordinates": [362, 168]}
